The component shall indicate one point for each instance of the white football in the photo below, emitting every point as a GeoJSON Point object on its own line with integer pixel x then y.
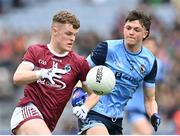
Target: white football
{"type": "Point", "coordinates": [101, 80]}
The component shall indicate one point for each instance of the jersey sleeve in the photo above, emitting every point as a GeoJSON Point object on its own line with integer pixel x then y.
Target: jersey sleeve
{"type": "Point", "coordinates": [98, 55]}
{"type": "Point", "coordinates": [84, 70]}
{"type": "Point", "coordinates": [150, 78]}
{"type": "Point", "coordinates": [29, 55]}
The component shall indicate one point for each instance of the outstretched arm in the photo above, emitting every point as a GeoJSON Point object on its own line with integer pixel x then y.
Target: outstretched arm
{"type": "Point", "coordinates": [150, 102]}
{"type": "Point", "coordinates": [151, 107]}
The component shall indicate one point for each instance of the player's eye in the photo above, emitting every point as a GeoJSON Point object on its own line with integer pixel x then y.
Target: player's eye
{"type": "Point", "coordinates": [137, 29]}
{"type": "Point", "coordinates": [68, 33]}
{"type": "Point", "coordinates": [128, 27]}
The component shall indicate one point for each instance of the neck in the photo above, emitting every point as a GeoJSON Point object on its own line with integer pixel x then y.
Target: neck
{"type": "Point", "coordinates": [55, 48]}
{"type": "Point", "coordinates": [56, 53]}
{"type": "Point", "coordinates": [133, 48]}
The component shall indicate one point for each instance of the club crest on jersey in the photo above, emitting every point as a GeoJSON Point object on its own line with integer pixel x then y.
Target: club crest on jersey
{"type": "Point", "coordinates": [67, 68]}
{"type": "Point", "coordinates": [42, 61]}
{"type": "Point", "coordinates": [142, 69]}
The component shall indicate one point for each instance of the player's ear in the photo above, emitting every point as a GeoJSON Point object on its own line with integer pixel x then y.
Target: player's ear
{"type": "Point", "coordinates": [54, 29]}
{"type": "Point", "coordinates": [145, 34]}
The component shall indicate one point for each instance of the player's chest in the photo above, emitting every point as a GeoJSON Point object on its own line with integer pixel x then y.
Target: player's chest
{"type": "Point", "coordinates": [65, 63]}
{"type": "Point", "coordinates": [130, 68]}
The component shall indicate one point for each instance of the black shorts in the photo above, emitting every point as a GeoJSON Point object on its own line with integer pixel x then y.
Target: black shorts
{"type": "Point", "coordinates": [114, 126]}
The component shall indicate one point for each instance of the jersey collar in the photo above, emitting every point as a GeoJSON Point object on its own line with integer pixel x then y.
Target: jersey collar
{"type": "Point", "coordinates": [132, 53]}
{"type": "Point", "coordinates": [55, 53]}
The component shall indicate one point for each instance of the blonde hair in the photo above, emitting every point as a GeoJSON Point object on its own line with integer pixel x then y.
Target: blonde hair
{"type": "Point", "coordinates": [64, 17]}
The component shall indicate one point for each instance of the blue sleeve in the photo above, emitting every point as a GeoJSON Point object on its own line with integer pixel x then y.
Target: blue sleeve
{"type": "Point", "coordinates": [98, 56]}
{"type": "Point", "coordinates": [150, 78]}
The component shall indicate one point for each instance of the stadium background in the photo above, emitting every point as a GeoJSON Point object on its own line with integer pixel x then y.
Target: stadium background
{"type": "Point", "coordinates": [24, 22]}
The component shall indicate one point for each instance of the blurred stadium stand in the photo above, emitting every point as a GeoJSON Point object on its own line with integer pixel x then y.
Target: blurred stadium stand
{"type": "Point", "coordinates": [24, 22]}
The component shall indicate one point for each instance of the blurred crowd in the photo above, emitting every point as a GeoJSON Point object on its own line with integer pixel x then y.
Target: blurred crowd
{"type": "Point", "coordinates": [14, 43]}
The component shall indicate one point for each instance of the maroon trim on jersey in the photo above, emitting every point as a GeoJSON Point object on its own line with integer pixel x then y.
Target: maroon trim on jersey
{"type": "Point", "coordinates": [25, 120]}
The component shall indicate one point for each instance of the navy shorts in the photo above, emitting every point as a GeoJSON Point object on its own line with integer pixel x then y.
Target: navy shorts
{"type": "Point", "coordinates": [93, 118]}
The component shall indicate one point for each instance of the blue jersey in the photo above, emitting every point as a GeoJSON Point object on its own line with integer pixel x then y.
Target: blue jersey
{"type": "Point", "coordinates": [137, 102]}
{"type": "Point", "coordinates": [161, 71]}
{"type": "Point", "coordinates": [130, 69]}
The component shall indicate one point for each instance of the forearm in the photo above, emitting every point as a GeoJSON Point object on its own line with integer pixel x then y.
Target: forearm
{"type": "Point", "coordinates": [152, 111]}
{"type": "Point", "coordinates": [25, 77]}
{"type": "Point", "coordinates": [92, 98]}
{"type": "Point", "coordinates": [81, 111]}
{"type": "Point", "coordinates": [91, 101]}
{"type": "Point", "coordinates": [151, 106]}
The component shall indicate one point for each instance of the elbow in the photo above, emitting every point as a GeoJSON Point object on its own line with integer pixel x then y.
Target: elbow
{"type": "Point", "coordinates": [16, 80]}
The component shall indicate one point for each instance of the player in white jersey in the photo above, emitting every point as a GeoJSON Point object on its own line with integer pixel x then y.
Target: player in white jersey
{"type": "Point", "coordinates": [132, 64]}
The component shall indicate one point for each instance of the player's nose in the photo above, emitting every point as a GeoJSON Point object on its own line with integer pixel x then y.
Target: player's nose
{"type": "Point", "coordinates": [73, 38]}
{"type": "Point", "coordinates": [131, 32]}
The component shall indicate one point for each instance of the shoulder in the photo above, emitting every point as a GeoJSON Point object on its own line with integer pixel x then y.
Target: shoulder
{"type": "Point", "coordinates": [151, 64]}
{"type": "Point", "coordinates": [115, 42]}
{"type": "Point", "coordinates": [76, 58]}
{"type": "Point", "coordinates": [114, 45]}
{"type": "Point", "coordinates": [148, 55]}
{"type": "Point", "coordinates": [109, 45]}
{"type": "Point", "coordinates": [78, 61]}
{"type": "Point", "coordinates": [37, 47]}
{"type": "Point", "coordinates": [111, 42]}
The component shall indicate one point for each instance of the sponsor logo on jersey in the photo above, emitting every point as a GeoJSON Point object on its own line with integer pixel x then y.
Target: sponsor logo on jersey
{"type": "Point", "coordinates": [124, 76]}
{"type": "Point", "coordinates": [61, 85]}
{"type": "Point", "coordinates": [57, 60]}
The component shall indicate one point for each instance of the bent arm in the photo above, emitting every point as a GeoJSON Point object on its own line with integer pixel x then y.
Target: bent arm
{"type": "Point", "coordinates": [24, 74]}
{"type": "Point", "coordinates": [150, 102]}
{"type": "Point", "coordinates": [92, 98]}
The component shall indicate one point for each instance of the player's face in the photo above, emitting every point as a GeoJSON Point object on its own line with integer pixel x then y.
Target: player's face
{"type": "Point", "coordinates": [134, 32]}
{"type": "Point", "coordinates": [64, 36]}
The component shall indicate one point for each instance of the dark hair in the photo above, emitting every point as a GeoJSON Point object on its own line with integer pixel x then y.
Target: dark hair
{"type": "Point", "coordinates": [144, 19]}
{"type": "Point", "coordinates": [66, 17]}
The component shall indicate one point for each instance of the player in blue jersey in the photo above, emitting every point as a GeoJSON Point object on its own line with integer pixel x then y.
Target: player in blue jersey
{"type": "Point", "coordinates": [135, 109]}
{"type": "Point", "coordinates": [132, 64]}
